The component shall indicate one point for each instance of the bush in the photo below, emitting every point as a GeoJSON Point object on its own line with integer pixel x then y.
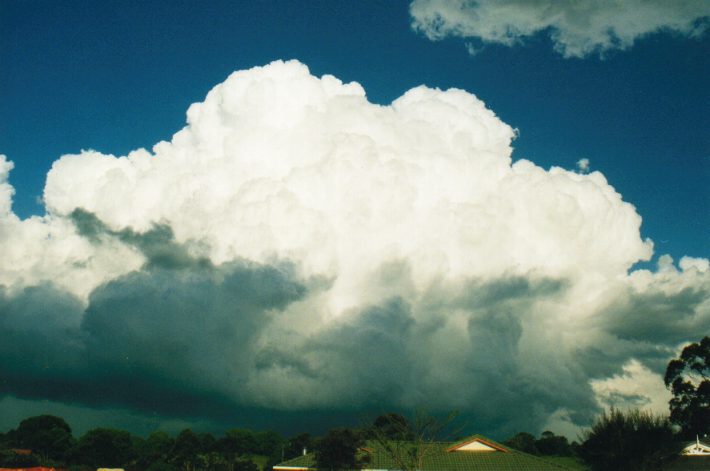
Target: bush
{"type": "Point", "coordinates": [633, 440]}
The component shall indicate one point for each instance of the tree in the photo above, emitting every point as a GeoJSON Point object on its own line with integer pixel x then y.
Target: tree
{"type": "Point", "coordinates": [688, 377]}
{"type": "Point", "coordinates": [633, 440]}
{"type": "Point", "coordinates": [267, 443]}
{"type": "Point", "coordinates": [295, 445]}
{"type": "Point", "coordinates": [392, 426]}
{"type": "Point", "coordinates": [524, 442]}
{"type": "Point", "coordinates": [408, 443]}
{"type": "Point", "coordinates": [105, 448]}
{"type": "Point", "coordinates": [553, 445]}
{"type": "Point", "coordinates": [237, 442]}
{"type": "Point", "coordinates": [338, 449]}
{"type": "Point", "coordinates": [185, 450]}
{"type": "Point", "coordinates": [156, 449]}
{"type": "Point", "coordinates": [49, 437]}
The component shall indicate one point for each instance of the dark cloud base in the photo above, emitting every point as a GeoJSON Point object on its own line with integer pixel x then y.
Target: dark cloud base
{"type": "Point", "coordinates": [182, 338]}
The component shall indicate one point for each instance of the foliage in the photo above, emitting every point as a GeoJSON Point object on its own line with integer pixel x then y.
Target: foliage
{"type": "Point", "coordinates": [548, 444]}
{"type": "Point", "coordinates": [524, 442]}
{"type": "Point", "coordinates": [553, 445]}
{"type": "Point", "coordinates": [185, 450]}
{"type": "Point", "coordinates": [161, 465]}
{"type": "Point", "coordinates": [49, 437]}
{"type": "Point", "coordinates": [406, 442]}
{"type": "Point", "coordinates": [238, 449]}
{"type": "Point", "coordinates": [338, 449]}
{"type": "Point", "coordinates": [267, 443]}
{"type": "Point", "coordinates": [156, 449]}
{"type": "Point", "coordinates": [688, 377]}
{"type": "Point", "coordinates": [633, 440]}
{"type": "Point", "coordinates": [104, 448]}
{"type": "Point", "coordinates": [392, 426]}
{"type": "Point", "coordinates": [245, 465]}
{"type": "Point", "coordinates": [295, 445]}
{"type": "Point", "coordinates": [237, 442]}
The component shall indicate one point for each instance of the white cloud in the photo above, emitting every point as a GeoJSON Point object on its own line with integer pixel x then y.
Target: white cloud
{"type": "Point", "coordinates": [577, 28]}
{"type": "Point", "coordinates": [583, 165]}
{"type": "Point", "coordinates": [6, 190]}
{"type": "Point", "coordinates": [427, 258]}
{"type": "Point", "coordinates": [278, 163]}
{"type": "Point", "coordinates": [637, 387]}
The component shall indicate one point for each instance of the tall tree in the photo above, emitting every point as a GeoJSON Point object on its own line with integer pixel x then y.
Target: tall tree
{"type": "Point", "coordinates": [688, 377]}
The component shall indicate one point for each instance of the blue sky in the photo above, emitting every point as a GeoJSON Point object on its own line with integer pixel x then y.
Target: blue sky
{"type": "Point", "coordinates": [440, 273]}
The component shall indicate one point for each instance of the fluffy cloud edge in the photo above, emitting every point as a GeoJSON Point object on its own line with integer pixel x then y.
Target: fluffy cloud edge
{"type": "Point", "coordinates": [577, 29]}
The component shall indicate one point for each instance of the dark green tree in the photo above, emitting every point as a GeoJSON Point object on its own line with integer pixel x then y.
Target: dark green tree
{"type": "Point", "coordinates": [295, 445]}
{"type": "Point", "coordinates": [185, 450]}
{"type": "Point", "coordinates": [49, 437]}
{"type": "Point", "coordinates": [553, 445]}
{"type": "Point", "coordinates": [237, 442]}
{"type": "Point", "coordinates": [688, 378]}
{"type": "Point", "coordinates": [392, 426]}
{"type": "Point", "coordinates": [208, 443]}
{"type": "Point", "coordinates": [156, 448]}
{"type": "Point", "coordinates": [338, 450]}
{"type": "Point", "coordinates": [267, 443]}
{"type": "Point", "coordinates": [161, 466]}
{"type": "Point", "coordinates": [633, 440]}
{"type": "Point", "coordinates": [523, 441]}
{"type": "Point", "coordinates": [104, 448]}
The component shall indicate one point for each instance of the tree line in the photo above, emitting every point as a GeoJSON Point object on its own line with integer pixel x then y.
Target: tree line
{"type": "Point", "coordinates": [51, 442]}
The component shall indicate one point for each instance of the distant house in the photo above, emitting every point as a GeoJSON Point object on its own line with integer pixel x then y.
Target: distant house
{"type": "Point", "coordinates": [695, 456]}
{"type": "Point", "coordinates": [471, 454]}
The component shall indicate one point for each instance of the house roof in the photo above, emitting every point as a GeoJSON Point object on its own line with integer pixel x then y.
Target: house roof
{"type": "Point", "coordinates": [697, 448]}
{"type": "Point", "coordinates": [487, 455]}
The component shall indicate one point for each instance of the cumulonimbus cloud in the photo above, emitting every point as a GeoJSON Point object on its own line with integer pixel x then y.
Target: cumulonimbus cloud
{"type": "Point", "coordinates": [577, 28]}
{"type": "Point", "coordinates": [296, 247]}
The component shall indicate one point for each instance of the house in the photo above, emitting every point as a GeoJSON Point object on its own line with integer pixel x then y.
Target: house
{"type": "Point", "coordinates": [695, 456]}
{"type": "Point", "coordinates": [471, 454]}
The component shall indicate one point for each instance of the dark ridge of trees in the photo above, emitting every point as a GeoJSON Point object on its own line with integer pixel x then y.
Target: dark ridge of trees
{"type": "Point", "coordinates": [548, 444]}
{"type": "Point", "coordinates": [50, 440]}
